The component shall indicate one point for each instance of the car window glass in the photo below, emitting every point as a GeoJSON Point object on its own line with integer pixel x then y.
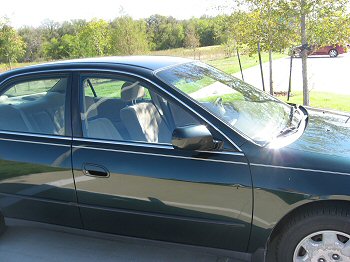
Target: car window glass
{"type": "Point", "coordinates": [31, 88]}
{"type": "Point", "coordinates": [34, 106]}
{"type": "Point", "coordinates": [104, 87]}
{"type": "Point", "coordinates": [126, 110]}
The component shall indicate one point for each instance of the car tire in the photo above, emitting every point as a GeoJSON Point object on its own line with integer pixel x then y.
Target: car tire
{"type": "Point", "coordinates": [333, 53]}
{"type": "Point", "coordinates": [317, 234]}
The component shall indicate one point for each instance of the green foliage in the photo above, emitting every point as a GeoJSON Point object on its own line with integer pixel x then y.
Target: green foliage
{"type": "Point", "coordinates": [94, 39]}
{"type": "Point", "coordinates": [59, 48]}
{"type": "Point", "coordinates": [12, 46]}
{"type": "Point", "coordinates": [327, 21]}
{"type": "Point", "coordinates": [34, 43]}
{"type": "Point", "coordinates": [205, 28]}
{"type": "Point", "coordinates": [165, 32]}
{"type": "Point", "coordinates": [128, 37]}
{"type": "Point", "coordinates": [233, 31]}
{"type": "Point", "coordinates": [275, 24]}
{"type": "Point", "coordinates": [191, 37]}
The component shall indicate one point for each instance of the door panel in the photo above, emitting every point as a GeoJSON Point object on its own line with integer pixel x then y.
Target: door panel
{"type": "Point", "coordinates": [36, 180]}
{"type": "Point", "coordinates": [161, 193]}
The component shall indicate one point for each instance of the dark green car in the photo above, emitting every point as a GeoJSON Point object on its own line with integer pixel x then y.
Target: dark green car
{"type": "Point", "coordinates": [174, 150]}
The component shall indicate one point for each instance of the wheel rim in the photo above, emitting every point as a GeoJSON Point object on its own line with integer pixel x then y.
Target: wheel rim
{"type": "Point", "coordinates": [323, 246]}
{"type": "Point", "coordinates": [333, 53]}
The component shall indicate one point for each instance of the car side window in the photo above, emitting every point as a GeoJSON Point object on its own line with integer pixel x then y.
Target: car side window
{"type": "Point", "coordinates": [123, 109]}
{"type": "Point", "coordinates": [34, 106]}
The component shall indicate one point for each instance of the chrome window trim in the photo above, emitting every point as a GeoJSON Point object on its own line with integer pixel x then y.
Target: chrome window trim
{"type": "Point", "coordinates": [133, 75]}
{"type": "Point", "coordinates": [34, 135]}
{"type": "Point", "coordinates": [148, 145]}
{"type": "Point", "coordinates": [155, 154]}
{"type": "Point", "coordinates": [124, 143]}
{"type": "Point", "coordinates": [33, 142]}
{"type": "Point", "coordinates": [301, 169]}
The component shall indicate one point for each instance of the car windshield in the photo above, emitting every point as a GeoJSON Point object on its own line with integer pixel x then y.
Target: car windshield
{"type": "Point", "coordinates": [248, 110]}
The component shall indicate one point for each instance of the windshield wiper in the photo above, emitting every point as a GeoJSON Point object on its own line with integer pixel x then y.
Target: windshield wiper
{"type": "Point", "coordinates": [287, 130]}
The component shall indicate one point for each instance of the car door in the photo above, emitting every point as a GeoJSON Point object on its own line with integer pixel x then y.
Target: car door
{"type": "Point", "coordinates": [130, 180]}
{"type": "Point", "coordinates": [36, 181]}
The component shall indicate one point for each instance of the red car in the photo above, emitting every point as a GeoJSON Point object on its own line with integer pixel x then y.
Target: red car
{"type": "Point", "coordinates": [331, 50]}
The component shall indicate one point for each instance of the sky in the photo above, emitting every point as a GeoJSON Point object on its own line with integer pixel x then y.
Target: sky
{"type": "Point", "coordinates": [33, 12]}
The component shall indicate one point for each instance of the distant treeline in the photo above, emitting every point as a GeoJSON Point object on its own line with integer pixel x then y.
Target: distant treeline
{"type": "Point", "coordinates": [273, 24]}
{"type": "Point", "coordinates": [122, 36]}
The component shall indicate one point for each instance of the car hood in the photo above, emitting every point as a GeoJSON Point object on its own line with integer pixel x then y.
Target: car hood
{"type": "Point", "coordinates": [327, 133]}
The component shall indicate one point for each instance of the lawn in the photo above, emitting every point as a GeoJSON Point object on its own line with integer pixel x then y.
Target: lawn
{"type": "Point", "coordinates": [322, 100]}
{"type": "Point", "coordinates": [231, 65]}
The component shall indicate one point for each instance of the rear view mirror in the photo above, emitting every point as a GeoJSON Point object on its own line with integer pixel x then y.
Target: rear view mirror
{"type": "Point", "coordinates": [194, 137]}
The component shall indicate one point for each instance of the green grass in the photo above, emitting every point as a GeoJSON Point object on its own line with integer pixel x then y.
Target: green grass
{"type": "Point", "coordinates": [215, 56]}
{"type": "Point", "coordinates": [324, 100]}
{"type": "Point", "coordinates": [231, 65]}
{"type": "Point", "coordinates": [201, 53]}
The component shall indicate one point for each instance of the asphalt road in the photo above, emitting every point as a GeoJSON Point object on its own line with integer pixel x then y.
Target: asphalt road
{"type": "Point", "coordinates": [324, 73]}
{"type": "Point", "coordinates": [26, 243]}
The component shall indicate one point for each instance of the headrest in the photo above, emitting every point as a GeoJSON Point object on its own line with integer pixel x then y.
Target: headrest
{"type": "Point", "coordinates": [132, 91]}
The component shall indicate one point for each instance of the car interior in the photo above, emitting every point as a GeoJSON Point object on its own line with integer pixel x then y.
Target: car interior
{"type": "Point", "coordinates": [40, 113]}
{"type": "Point", "coordinates": [133, 117]}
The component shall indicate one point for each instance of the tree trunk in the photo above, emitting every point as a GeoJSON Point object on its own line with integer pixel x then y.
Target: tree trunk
{"type": "Point", "coordinates": [306, 97]}
{"type": "Point", "coordinates": [271, 80]}
{"type": "Point", "coordinates": [9, 62]}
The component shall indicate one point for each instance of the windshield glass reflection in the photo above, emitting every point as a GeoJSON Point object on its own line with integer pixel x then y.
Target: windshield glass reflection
{"type": "Point", "coordinates": [250, 111]}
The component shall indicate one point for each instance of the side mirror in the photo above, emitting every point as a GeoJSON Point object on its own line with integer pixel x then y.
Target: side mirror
{"type": "Point", "coordinates": [194, 137]}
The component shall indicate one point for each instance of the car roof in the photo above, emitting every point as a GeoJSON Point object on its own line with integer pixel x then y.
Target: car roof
{"type": "Point", "coordinates": [146, 62]}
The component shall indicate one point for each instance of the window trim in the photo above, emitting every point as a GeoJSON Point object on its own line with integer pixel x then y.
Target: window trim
{"type": "Point", "coordinates": [11, 81]}
{"type": "Point", "coordinates": [74, 95]}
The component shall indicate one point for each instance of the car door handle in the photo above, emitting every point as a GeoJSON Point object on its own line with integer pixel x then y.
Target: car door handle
{"type": "Point", "coordinates": [95, 170]}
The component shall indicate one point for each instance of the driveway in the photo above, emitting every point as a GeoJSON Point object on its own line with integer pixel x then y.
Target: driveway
{"type": "Point", "coordinates": [325, 74]}
{"type": "Point", "coordinates": [27, 243]}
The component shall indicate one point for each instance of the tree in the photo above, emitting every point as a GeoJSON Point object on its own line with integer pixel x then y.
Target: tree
{"type": "Point", "coordinates": [65, 47]}
{"type": "Point", "coordinates": [94, 39]}
{"type": "Point", "coordinates": [165, 32]}
{"type": "Point", "coordinates": [128, 37]}
{"type": "Point", "coordinates": [321, 22]}
{"type": "Point", "coordinates": [272, 28]}
{"type": "Point", "coordinates": [233, 31]}
{"type": "Point", "coordinates": [49, 29]}
{"type": "Point", "coordinates": [205, 28]}
{"type": "Point", "coordinates": [34, 43]}
{"type": "Point", "coordinates": [72, 27]}
{"type": "Point", "coordinates": [191, 38]}
{"type": "Point", "coordinates": [12, 46]}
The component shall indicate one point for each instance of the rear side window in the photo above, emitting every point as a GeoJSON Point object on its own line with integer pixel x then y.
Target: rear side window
{"type": "Point", "coordinates": [31, 87]}
{"type": "Point", "coordinates": [34, 106]}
